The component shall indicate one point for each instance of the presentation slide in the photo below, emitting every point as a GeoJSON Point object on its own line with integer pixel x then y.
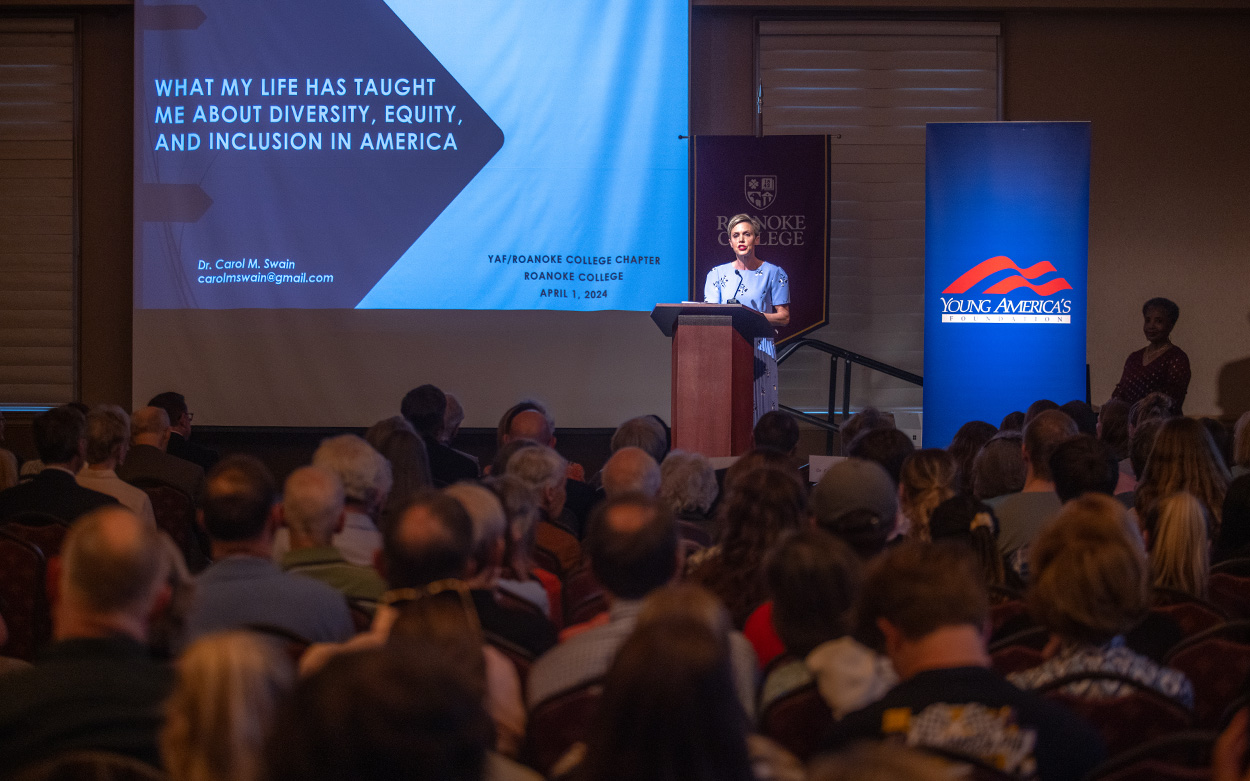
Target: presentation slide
{"type": "Point", "coordinates": [411, 155]}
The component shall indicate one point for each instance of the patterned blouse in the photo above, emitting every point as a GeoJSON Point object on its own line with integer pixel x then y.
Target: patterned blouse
{"type": "Point", "coordinates": [1168, 373]}
{"type": "Point", "coordinates": [1114, 657]}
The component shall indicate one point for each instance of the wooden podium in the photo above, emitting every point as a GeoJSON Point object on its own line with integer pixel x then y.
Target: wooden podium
{"type": "Point", "coordinates": [713, 374]}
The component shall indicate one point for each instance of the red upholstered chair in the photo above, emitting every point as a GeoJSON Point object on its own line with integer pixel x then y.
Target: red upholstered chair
{"type": "Point", "coordinates": [23, 597]}
{"type": "Point", "coordinates": [1231, 594]}
{"type": "Point", "coordinates": [1005, 611]}
{"type": "Point", "coordinates": [175, 515]}
{"type": "Point", "coordinates": [44, 531]}
{"type": "Point", "coordinates": [584, 598]}
{"type": "Point", "coordinates": [1217, 663]}
{"type": "Point", "coordinates": [558, 722]}
{"type": "Point", "coordinates": [798, 720]}
{"type": "Point", "coordinates": [1239, 567]}
{"type": "Point", "coordinates": [1020, 651]}
{"type": "Point", "coordinates": [91, 766]}
{"type": "Point", "coordinates": [1127, 720]}
{"type": "Point", "coordinates": [1193, 615]}
{"type": "Point", "coordinates": [1184, 756]}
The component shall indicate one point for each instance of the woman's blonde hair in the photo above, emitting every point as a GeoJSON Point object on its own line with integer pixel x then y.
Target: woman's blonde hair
{"type": "Point", "coordinates": [222, 707]}
{"type": "Point", "coordinates": [1184, 458]}
{"type": "Point", "coordinates": [927, 480]}
{"type": "Point", "coordinates": [756, 225]}
{"type": "Point", "coordinates": [1180, 551]}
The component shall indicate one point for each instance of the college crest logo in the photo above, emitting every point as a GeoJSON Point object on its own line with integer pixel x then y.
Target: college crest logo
{"type": "Point", "coordinates": [960, 306]}
{"type": "Point", "coordinates": [761, 191]}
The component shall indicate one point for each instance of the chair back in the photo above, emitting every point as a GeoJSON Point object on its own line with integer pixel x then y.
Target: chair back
{"type": "Point", "coordinates": [558, 722]}
{"type": "Point", "coordinates": [1019, 651]}
{"type": "Point", "coordinates": [91, 766]}
{"type": "Point", "coordinates": [175, 515]}
{"type": "Point", "coordinates": [43, 531]}
{"type": "Point", "coordinates": [1137, 714]}
{"type": "Point", "coordinates": [1217, 663]}
{"type": "Point", "coordinates": [1191, 614]}
{"type": "Point", "coordinates": [1239, 566]}
{"type": "Point", "coordinates": [1231, 594]}
{"type": "Point", "coordinates": [23, 596]}
{"type": "Point", "coordinates": [1006, 611]}
{"type": "Point", "coordinates": [584, 598]}
{"type": "Point", "coordinates": [798, 721]}
{"type": "Point", "coordinates": [1183, 756]}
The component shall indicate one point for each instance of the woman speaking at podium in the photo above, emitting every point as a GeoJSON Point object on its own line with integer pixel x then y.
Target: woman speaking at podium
{"type": "Point", "coordinates": [758, 285]}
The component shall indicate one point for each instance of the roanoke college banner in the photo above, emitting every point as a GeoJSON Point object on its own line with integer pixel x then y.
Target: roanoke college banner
{"type": "Point", "coordinates": [1006, 253]}
{"type": "Point", "coordinates": [783, 182]}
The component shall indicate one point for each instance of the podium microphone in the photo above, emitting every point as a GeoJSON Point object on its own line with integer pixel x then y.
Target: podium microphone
{"type": "Point", "coordinates": [734, 300]}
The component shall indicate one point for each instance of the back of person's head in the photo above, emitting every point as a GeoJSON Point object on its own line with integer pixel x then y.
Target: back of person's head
{"type": "Point", "coordinates": [431, 541]}
{"type": "Point", "coordinates": [1083, 415]}
{"type": "Point", "coordinates": [999, 468]}
{"type": "Point", "coordinates": [1083, 464]}
{"type": "Point", "coordinates": [777, 430]}
{"type": "Point", "coordinates": [632, 545]}
{"type": "Point", "coordinates": [506, 451]}
{"type": "Point", "coordinates": [1042, 435]}
{"type": "Point", "coordinates": [365, 473]}
{"type": "Point", "coordinates": [889, 447]}
{"type": "Point", "coordinates": [921, 587]}
{"type": "Point", "coordinates": [453, 416]}
{"type": "Point", "coordinates": [1178, 533]}
{"type": "Point", "coordinates": [813, 578]}
{"type": "Point", "coordinates": [1113, 426]}
{"type": "Point", "coordinates": [538, 465]}
{"type": "Point", "coordinates": [381, 715]}
{"type": "Point", "coordinates": [756, 458]}
{"type": "Point", "coordinates": [1241, 441]}
{"type": "Point", "coordinates": [239, 494]}
{"type": "Point", "coordinates": [856, 501]}
{"type": "Point", "coordinates": [222, 707]}
{"type": "Point", "coordinates": [1088, 570]}
{"type": "Point", "coordinates": [965, 445]}
{"type": "Point", "coordinates": [149, 421]}
{"type": "Point", "coordinates": [669, 710]}
{"type": "Point", "coordinates": [444, 626]}
{"type": "Point", "coordinates": [643, 432]}
{"type": "Point", "coordinates": [687, 601]}
{"type": "Point", "coordinates": [1152, 406]}
{"type": "Point", "coordinates": [926, 480]}
{"type": "Point", "coordinates": [1141, 443]}
{"type": "Point", "coordinates": [505, 432]}
{"type": "Point", "coordinates": [490, 525]}
{"type": "Point", "coordinates": [1037, 408]}
{"type": "Point", "coordinates": [521, 507]}
{"type": "Point", "coordinates": [424, 407]}
{"type": "Point", "coordinates": [107, 429]}
{"type": "Point", "coordinates": [112, 563]}
{"type": "Point", "coordinates": [312, 504]}
{"type": "Point", "coordinates": [687, 483]}
{"type": "Point", "coordinates": [59, 434]}
{"type": "Point", "coordinates": [879, 762]}
{"type": "Point", "coordinates": [174, 404]}
{"type": "Point", "coordinates": [1184, 458]}
{"type": "Point", "coordinates": [532, 424]}
{"type": "Point", "coordinates": [968, 520]}
{"type": "Point", "coordinates": [761, 506]}
{"type": "Point", "coordinates": [1012, 421]}
{"type": "Point", "coordinates": [867, 419]}
{"type": "Point", "coordinates": [631, 470]}
{"type": "Point", "coordinates": [396, 440]}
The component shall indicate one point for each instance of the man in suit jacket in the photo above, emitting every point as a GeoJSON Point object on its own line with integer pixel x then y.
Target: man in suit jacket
{"type": "Point", "coordinates": [180, 444]}
{"type": "Point", "coordinates": [61, 442]}
{"type": "Point", "coordinates": [147, 459]}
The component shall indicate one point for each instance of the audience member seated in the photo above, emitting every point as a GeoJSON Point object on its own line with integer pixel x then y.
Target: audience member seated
{"type": "Point", "coordinates": [813, 579]}
{"type": "Point", "coordinates": [778, 431]}
{"type": "Point", "coordinates": [95, 687]}
{"type": "Point", "coordinates": [866, 419]}
{"type": "Point", "coordinates": [312, 511]}
{"type": "Point", "coordinates": [631, 470]}
{"type": "Point", "coordinates": [544, 469]}
{"type": "Point", "coordinates": [756, 458]}
{"type": "Point", "coordinates": [1012, 421]}
{"type": "Point", "coordinates": [8, 462]}
{"type": "Point", "coordinates": [645, 432]}
{"type": "Point", "coordinates": [1241, 447]}
{"type": "Point", "coordinates": [889, 447]}
{"type": "Point", "coordinates": [688, 488]}
{"type": "Point", "coordinates": [930, 604]}
{"type": "Point", "coordinates": [1152, 406]}
{"type": "Point", "coordinates": [856, 502]}
{"type": "Point", "coordinates": [967, 520]}
{"type": "Point", "coordinates": [381, 714]}
{"type": "Point", "coordinates": [366, 479]}
{"type": "Point", "coordinates": [1234, 533]}
{"type": "Point", "coordinates": [452, 418]}
{"type": "Point", "coordinates": [60, 441]}
{"type": "Point", "coordinates": [1021, 515]}
{"type": "Point", "coordinates": [1083, 465]}
{"type": "Point", "coordinates": [1141, 444]}
{"type": "Point", "coordinates": [147, 460]}
{"type": "Point", "coordinates": [530, 421]}
{"type": "Point", "coordinates": [1177, 540]}
{"type": "Point", "coordinates": [1090, 585]}
{"type": "Point", "coordinates": [632, 547]}
{"type": "Point", "coordinates": [926, 480]}
{"type": "Point", "coordinates": [180, 444]}
{"type": "Point", "coordinates": [222, 708]}
{"type": "Point", "coordinates": [964, 446]}
{"type": "Point", "coordinates": [425, 408]}
{"type": "Point", "coordinates": [397, 442]}
{"type": "Point", "coordinates": [529, 630]}
{"type": "Point", "coordinates": [1183, 459]}
{"type": "Point", "coordinates": [998, 468]}
{"type": "Point", "coordinates": [668, 711]}
{"type": "Point", "coordinates": [1082, 415]}
{"type": "Point", "coordinates": [108, 440]}
{"type": "Point", "coordinates": [243, 586]}
{"type": "Point", "coordinates": [878, 762]}
{"type": "Point", "coordinates": [520, 573]}
{"type": "Point", "coordinates": [1037, 408]}
{"type": "Point", "coordinates": [761, 507]}
{"type": "Point", "coordinates": [1113, 432]}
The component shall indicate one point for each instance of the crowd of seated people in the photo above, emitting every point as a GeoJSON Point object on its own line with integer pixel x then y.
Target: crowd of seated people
{"type": "Point", "coordinates": [396, 609]}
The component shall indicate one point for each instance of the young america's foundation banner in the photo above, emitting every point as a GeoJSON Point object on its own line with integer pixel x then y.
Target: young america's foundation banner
{"type": "Point", "coordinates": [1006, 253]}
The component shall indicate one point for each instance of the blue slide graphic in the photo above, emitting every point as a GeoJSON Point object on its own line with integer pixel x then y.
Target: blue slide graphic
{"type": "Point", "coordinates": [500, 154]}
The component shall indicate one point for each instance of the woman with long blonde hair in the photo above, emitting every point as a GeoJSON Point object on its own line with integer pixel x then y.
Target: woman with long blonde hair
{"type": "Point", "coordinates": [926, 480]}
{"type": "Point", "coordinates": [222, 707]}
{"type": "Point", "coordinates": [1184, 458]}
{"type": "Point", "coordinates": [1179, 545]}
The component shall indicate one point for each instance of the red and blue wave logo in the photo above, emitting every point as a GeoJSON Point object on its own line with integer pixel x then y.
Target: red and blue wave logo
{"type": "Point", "coordinates": [1023, 278]}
